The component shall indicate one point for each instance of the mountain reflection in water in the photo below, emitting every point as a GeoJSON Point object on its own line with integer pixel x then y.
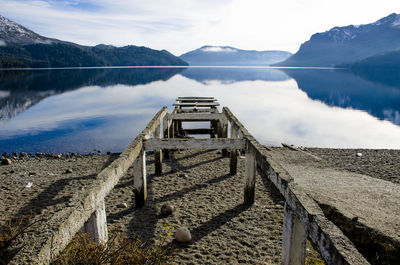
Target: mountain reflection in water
{"type": "Point", "coordinates": [78, 110]}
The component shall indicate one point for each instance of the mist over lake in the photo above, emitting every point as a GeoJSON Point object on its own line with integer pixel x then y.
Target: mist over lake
{"type": "Point", "coordinates": [79, 110]}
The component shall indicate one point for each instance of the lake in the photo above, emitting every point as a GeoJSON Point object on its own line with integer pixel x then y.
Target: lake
{"type": "Point", "coordinates": [80, 110]}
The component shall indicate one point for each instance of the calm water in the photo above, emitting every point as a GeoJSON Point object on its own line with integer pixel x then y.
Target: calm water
{"type": "Point", "coordinates": [86, 109]}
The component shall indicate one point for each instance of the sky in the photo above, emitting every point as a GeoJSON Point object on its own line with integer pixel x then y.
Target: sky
{"type": "Point", "coordinates": [183, 25]}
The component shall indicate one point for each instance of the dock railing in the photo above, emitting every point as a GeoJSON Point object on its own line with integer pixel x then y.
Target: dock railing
{"type": "Point", "coordinates": [89, 213]}
{"type": "Point", "coordinates": [303, 218]}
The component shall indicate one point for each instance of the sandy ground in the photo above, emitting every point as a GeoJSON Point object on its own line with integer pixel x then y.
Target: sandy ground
{"type": "Point", "coordinates": [207, 199]}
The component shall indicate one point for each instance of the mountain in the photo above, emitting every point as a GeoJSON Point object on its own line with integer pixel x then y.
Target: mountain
{"type": "Point", "coordinates": [21, 47]}
{"type": "Point", "coordinates": [20, 90]}
{"type": "Point", "coordinates": [348, 44]}
{"type": "Point", "coordinates": [225, 55]}
{"type": "Point", "coordinates": [382, 68]}
{"type": "Point", "coordinates": [232, 75]}
{"type": "Point", "coordinates": [387, 61]}
{"type": "Point", "coordinates": [343, 89]}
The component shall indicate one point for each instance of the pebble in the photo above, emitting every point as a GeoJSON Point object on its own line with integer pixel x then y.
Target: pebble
{"type": "Point", "coordinates": [29, 185]}
{"type": "Point", "coordinates": [182, 176]}
{"type": "Point", "coordinates": [68, 171]}
{"type": "Point", "coordinates": [359, 154]}
{"type": "Point", "coordinates": [123, 205]}
{"type": "Point", "coordinates": [6, 161]}
{"type": "Point", "coordinates": [182, 234]}
{"type": "Point", "coordinates": [167, 209]}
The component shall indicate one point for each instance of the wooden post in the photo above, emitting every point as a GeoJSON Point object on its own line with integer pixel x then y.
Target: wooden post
{"type": "Point", "coordinates": [157, 154]}
{"type": "Point", "coordinates": [140, 182]}
{"type": "Point", "coordinates": [224, 134]}
{"type": "Point", "coordinates": [166, 134]}
{"type": "Point", "coordinates": [96, 225]}
{"type": "Point", "coordinates": [214, 127]}
{"type": "Point", "coordinates": [233, 152]}
{"type": "Point", "coordinates": [250, 174]}
{"type": "Point", "coordinates": [294, 239]}
{"type": "Point", "coordinates": [171, 127]}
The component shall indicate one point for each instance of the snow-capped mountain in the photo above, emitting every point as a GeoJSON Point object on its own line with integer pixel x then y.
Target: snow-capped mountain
{"type": "Point", "coordinates": [348, 44]}
{"type": "Point", "coordinates": [11, 32]}
{"type": "Point", "coordinates": [21, 47]}
{"type": "Point", "coordinates": [225, 55]}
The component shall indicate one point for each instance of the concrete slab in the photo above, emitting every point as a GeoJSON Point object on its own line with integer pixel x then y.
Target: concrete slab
{"type": "Point", "coordinates": [357, 203]}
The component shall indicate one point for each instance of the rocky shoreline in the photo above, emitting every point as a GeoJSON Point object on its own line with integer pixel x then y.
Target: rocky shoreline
{"type": "Point", "coordinates": [206, 198]}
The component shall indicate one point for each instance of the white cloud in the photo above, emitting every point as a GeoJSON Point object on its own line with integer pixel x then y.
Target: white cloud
{"type": "Point", "coordinates": [217, 49]}
{"type": "Point", "coordinates": [2, 43]}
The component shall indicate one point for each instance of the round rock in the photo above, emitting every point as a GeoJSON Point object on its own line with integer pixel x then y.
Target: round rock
{"type": "Point", "coordinates": [6, 161]}
{"type": "Point", "coordinates": [166, 210]}
{"type": "Point", "coordinates": [182, 234]}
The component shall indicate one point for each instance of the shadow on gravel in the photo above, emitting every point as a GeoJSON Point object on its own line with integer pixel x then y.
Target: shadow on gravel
{"type": "Point", "coordinates": [195, 154]}
{"type": "Point", "coordinates": [175, 166]}
{"type": "Point", "coordinates": [182, 192]}
{"type": "Point", "coordinates": [47, 197]}
{"type": "Point", "coordinates": [143, 225]}
{"type": "Point", "coordinates": [213, 224]}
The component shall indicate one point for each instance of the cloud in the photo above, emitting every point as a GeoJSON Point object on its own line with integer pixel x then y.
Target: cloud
{"type": "Point", "coordinates": [217, 49]}
{"type": "Point", "coordinates": [2, 43]}
{"type": "Point", "coordinates": [180, 26]}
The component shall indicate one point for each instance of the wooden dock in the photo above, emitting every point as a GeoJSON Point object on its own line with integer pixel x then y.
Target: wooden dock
{"type": "Point", "coordinates": [303, 218]}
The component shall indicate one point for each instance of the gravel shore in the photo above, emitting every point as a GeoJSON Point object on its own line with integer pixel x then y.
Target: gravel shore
{"type": "Point", "coordinates": [207, 200]}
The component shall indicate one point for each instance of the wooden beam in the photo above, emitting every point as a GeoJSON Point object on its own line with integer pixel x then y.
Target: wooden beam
{"type": "Point", "coordinates": [201, 144]}
{"type": "Point", "coordinates": [196, 110]}
{"type": "Point", "coordinates": [157, 154]}
{"type": "Point", "coordinates": [294, 239]}
{"type": "Point", "coordinates": [96, 226]}
{"type": "Point", "coordinates": [196, 116]}
{"type": "Point", "coordinates": [196, 98]}
{"type": "Point", "coordinates": [199, 131]}
{"type": "Point", "coordinates": [250, 174]}
{"type": "Point", "coordinates": [233, 152]}
{"type": "Point", "coordinates": [139, 179]}
{"type": "Point", "coordinates": [197, 104]}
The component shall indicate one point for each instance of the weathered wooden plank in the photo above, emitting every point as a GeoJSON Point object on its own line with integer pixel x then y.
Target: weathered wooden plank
{"type": "Point", "coordinates": [96, 226]}
{"type": "Point", "coordinates": [233, 152]}
{"type": "Point", "coordinates": [197, 104]}
{"type": "Point", "coordinates": [198, 131]}
{"type": "Point", "coordinates": [157, 154]}
{"type": "Point", "coordinates": [250, 174]}
{"type": "Point", "coordinates": [201, 144]}
{"type": "Point", "coordinates": [139, 179]}
{"type": "Point", "coordinates": [197, 116]}
{"type": "Point", "coordinates": [294, 239]}
{"type": "Point", "coordinates": [208, 110]}
{"type": "Point", "coordinates": [224, 134]}
{"type": "Point", "coordinates": [196, 98]}
{"type": "Point", "coordinates": [191, 100]}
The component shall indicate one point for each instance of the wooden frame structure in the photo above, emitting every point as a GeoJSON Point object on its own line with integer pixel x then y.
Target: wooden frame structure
{"type": "Point", "coordinates": [303, 218]}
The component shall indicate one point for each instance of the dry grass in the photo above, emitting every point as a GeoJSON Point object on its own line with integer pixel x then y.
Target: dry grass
{"type": "Point", "coordinates": [119, 250]}
{"type": "Point", "coordinates": [13, 229]}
